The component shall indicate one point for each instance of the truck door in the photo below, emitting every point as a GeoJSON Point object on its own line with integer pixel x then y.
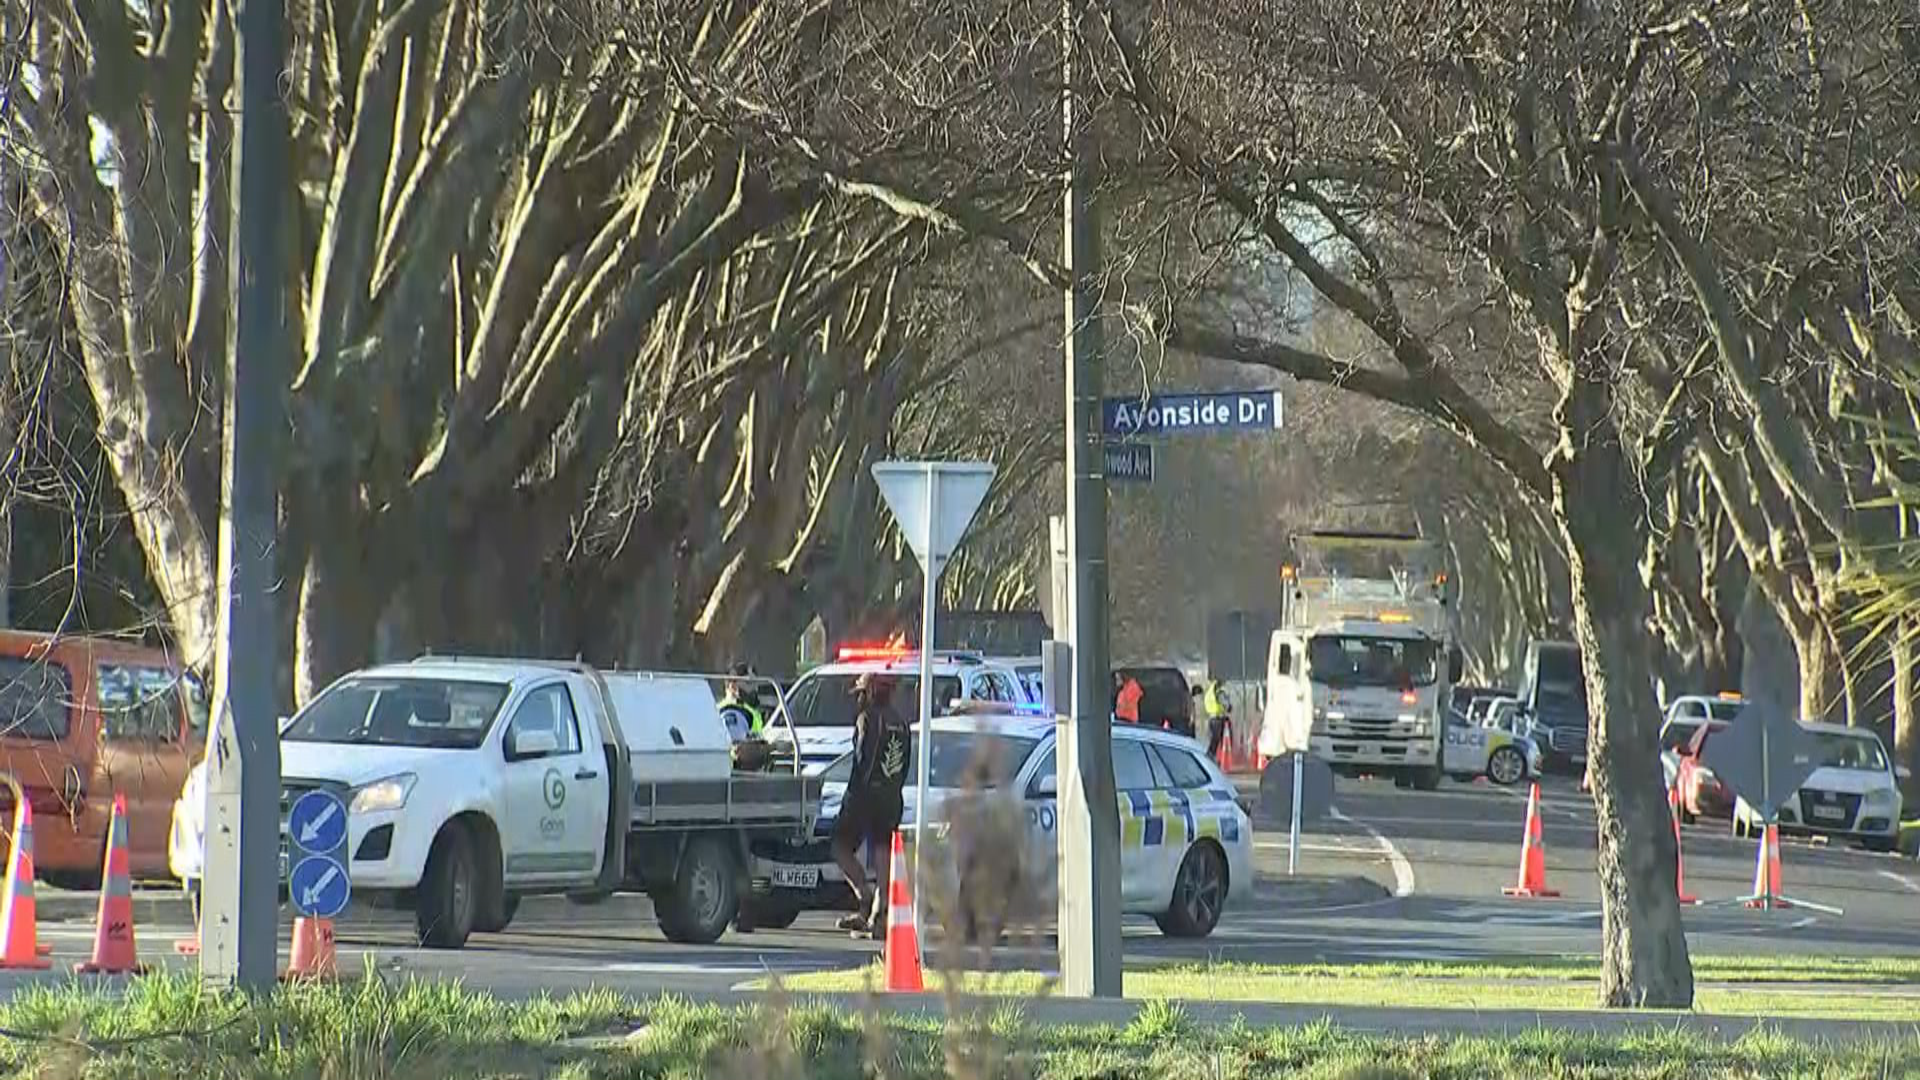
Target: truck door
{"type": "Point", "coordinates": [556, 787]}
{"type": "Point", "coordinates": [1287, 719]}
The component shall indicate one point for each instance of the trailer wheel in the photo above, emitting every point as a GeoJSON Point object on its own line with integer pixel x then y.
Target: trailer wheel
{"type": "Point", "coordinates": [703, 898]}
{"type": "Point", "coordinates": [444, 910]}
{"type": "Point", "coordinates": [770, 914]}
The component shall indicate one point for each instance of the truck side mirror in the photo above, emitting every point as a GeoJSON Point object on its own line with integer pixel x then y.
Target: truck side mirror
{"type": "Point", "coordinates": [1902, 773]}
{"type": "Point", "coordinates": [1046, 787]}
{"type": "Point", "coordinates": [1456, 666]}
{"type": "Point", "coordinates": [531, 744]}
{"type": "Point", "coordinates": [1286, 660]}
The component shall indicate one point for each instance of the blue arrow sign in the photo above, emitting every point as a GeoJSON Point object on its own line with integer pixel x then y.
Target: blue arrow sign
{"type": "Point", "coordinates": [1175, 414]}
{"type": "Point", "coordinates": [319, 886]}
{"type": "Point", "coordinates": [318, 822]}
{"type": "Point", "coordinates": [1130, 461]}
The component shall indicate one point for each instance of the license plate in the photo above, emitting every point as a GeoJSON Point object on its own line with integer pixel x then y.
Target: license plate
{"type": "Point", "coordinates": [796, 877]}
{"type": "Point", "coordinates": [1830, 813]}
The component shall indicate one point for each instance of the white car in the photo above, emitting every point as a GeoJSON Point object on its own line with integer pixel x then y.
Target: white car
{"type": "Point", "coordinates": [1029, 672]}
{"type": "Point", "coordinates": [822, 708]}
{"type": "Point", "coordinates": [1186, 845]}
{"type": "Point", "coordinates": [1853, 794]}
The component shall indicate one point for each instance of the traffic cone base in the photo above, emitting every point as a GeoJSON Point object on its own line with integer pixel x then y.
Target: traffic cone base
{"type": "Point", "coordinates": [314, 954]}
{"type": "Point", "coordinates": [114, 951]}
{"type": "Point", "coordinates": [1533, 856]}
{"type": "Point", "coordinates": [903, 936]}
{"type": "Point", "coordinates": [20, 947]}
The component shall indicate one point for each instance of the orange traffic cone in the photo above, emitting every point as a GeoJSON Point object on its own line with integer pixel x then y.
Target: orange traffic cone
{"type": "Point", "coordinates": [19, 922]}
{"type": "Point", "coordinates": [1766, 872]}
{"type": "Point", "coordinates": [313, 949]}
{"type": "Point", "coordinates": [114, 952]}
{"type": "Point", "coordinates": [1679, 856]}
{"type": "Point", "coordinates": [903, 936]}
{"type": "Point", "coordinates": [1533, 855]}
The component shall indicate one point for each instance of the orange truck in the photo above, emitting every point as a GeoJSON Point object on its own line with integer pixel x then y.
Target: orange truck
{"type": "Point", "coordinates": [83, 719]}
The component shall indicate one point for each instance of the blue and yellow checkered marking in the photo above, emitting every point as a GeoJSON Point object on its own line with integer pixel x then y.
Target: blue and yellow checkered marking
{"type": "Point", "coordinates": [1170, 818]}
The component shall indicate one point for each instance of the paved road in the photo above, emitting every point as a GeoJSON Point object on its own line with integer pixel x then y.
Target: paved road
{"type": "Point", "coordinates": [1394, 875]}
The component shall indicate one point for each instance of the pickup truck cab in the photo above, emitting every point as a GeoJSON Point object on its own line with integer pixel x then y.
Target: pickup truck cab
{"type": "Point", "coordinates": [470, 783]}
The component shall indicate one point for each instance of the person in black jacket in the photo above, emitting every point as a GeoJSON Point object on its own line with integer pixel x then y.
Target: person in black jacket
{"type": "Point", "coordinates": [870, 812]}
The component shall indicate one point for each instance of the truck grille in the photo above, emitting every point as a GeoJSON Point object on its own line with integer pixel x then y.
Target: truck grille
{"type": "Point", "coordinates": [1567, 740]}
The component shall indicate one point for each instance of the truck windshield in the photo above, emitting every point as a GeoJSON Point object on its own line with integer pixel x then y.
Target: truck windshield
{"type": "Point", "coordinates": [1368, 661]}
{"type": "Point", "coordinates": [438, 714]}
{"type": "Point", "coordinates": [826, 700]}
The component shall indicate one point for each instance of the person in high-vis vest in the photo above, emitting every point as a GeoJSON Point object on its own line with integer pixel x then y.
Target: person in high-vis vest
{"type": "Point", "coordinates": [738, 711]}
{"type": "Point", "coordinates": [1219, 718]}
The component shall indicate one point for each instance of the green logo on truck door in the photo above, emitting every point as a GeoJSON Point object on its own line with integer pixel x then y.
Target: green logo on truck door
{"type": "Point", "coordinates": [556, 790]}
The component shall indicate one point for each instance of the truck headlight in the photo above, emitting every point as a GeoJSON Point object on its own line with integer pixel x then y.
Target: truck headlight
{"type": "Point", "coordinates": [388, 794]}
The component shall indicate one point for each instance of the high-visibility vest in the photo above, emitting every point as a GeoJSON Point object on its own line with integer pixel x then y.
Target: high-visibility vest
{"type": "Point", "coordinates": [754, 721]}
{"type": "Point", "coordinates": [1215, 706]}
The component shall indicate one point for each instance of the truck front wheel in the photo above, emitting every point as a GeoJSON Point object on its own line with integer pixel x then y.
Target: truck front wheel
{"type": "Point", "coordinates": [1426, 779]}
{"type": "Point", "coordinates": [444, 910]}
{"type": "Point", "coordinates": [697, 906]}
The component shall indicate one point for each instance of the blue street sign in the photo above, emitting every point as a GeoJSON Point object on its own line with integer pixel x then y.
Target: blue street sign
{"type": "Point", "coordinates": [318, 822]}
{"type": "Point", "coordinates": [319, 886]}
{"type": "Point", "coordinates": [1173, 414]}
{"type": "Point", "coordinates": [1130, 462]}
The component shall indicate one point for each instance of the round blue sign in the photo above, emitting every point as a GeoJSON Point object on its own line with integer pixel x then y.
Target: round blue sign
{"type": "Point", "coordinates": [318, 822]}
{"type": "Point", "coordinates": [319, 886]}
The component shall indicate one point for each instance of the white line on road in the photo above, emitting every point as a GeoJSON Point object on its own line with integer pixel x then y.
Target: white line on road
{"type": "Point", "coordinates": [1906, 883]}
{"type": "Point", "coordinates": [1402, 869]}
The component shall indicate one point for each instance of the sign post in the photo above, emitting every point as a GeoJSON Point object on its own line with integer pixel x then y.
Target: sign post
{"type": "Point", "coordinates": [933, 502]}
{"type": "Point", "coordinates": [1764, 758]}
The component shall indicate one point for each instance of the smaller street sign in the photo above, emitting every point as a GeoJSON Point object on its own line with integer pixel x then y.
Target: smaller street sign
{"type": "Point", "coordinates": [1131, 462]}
{"type": "Point", "coordinates": [318, 821]}
{"type": "Point", "coordinates": [319, 886]}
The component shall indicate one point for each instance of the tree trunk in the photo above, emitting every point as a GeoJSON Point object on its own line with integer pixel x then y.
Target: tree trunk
{"type": "Point", "coordinates": [1906, 724]}
{"type": "Point", "coordinates": [338, 617]}
{"type": "Point", "coordinates": [1643, 944]}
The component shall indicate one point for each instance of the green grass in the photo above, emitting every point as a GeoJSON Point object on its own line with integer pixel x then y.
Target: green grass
{"type": "Point", "coordinates": [1810, 987]}
{"type": "Point", "coordinates": [168, 1027]}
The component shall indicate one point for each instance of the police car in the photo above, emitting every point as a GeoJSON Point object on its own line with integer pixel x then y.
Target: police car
{"type": "Point", "coordinates": [1497, 749]}
{"type": "Point", "coordinates": [822, 707]}
{"type": "Point", "coordinates": [1186, 841]}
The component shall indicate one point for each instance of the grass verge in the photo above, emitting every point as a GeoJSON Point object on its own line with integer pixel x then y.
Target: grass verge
{"type": "Point", "coordinates": [1838, 988]}
{"type": "Point", "coordinates": [168, 1027]}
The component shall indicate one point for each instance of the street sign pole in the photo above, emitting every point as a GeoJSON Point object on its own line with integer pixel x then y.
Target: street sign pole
{"type": "Point", "coordinates": [239, 914]}
{"type": "Point", "coordinates": [923, 761]}
{"type": "Point", "coordinates": [1089, 818]}
{"type": "Point", "coordinates": [933, 502]}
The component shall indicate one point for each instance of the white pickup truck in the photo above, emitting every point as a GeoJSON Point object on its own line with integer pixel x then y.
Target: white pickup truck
{"type": "Point", "coordinates": [473, 782]}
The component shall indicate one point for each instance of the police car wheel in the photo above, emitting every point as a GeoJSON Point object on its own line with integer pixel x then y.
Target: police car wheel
{"type": "Point", "coordinates": [1506, 767]}
{"type": "Point", "coordinates": [701, 902]}
{"type": "Point", "coordinates": [1199, 894]}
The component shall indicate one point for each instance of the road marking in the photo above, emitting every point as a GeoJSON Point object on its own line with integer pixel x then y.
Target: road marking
{"type": "Point", "coordinates": [1325, 849]}
{"type": "Point", "coordinates": [1905, 883]}
{"type": "Point", "coordinates": [1402, 869]}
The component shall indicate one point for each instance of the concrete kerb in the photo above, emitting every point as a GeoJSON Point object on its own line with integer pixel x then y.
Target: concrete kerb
{"type": "Point", "coordinates": [166, 910]}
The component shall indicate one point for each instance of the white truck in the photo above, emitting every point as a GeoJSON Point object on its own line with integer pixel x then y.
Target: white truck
{"type": "Point", "coordinates": [473, 782]}
{"type": "Point", "coordinates": [1361, 669]}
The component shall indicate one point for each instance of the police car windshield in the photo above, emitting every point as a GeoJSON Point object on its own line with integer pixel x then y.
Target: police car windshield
{"type": "Point", "coordinates": [1365, 661]}
{"type": "Point", "coordinates": [440, 714]}
{"type": "Point", "coordinates": [975, 759]}
{"type": "Point", "coordinates": [826, 699]}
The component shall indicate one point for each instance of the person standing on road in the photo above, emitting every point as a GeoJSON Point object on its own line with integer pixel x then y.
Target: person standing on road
{"type": "Point", "coordinates": [1126, 703]}
{"type": "Point", "coordinates": [1219, 718]}
{"type": "Point", "coordinates": [737, 709]}
{"type": "Point", "coordinates": [871, 809]}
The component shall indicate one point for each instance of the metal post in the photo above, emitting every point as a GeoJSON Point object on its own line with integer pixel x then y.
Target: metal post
{"type": "Point", "coordinates": [1089, 813]}
{"type": "Point", "coordinates": [1293, 832]}
{"type": "Point", "coordinates": [923, 759]}
{"type": "Point", "coordinates": [240, 893]}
